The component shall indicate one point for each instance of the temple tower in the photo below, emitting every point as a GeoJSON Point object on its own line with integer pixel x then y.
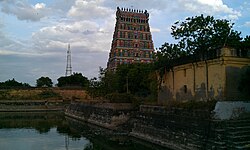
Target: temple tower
{"type": "Point", "coordinates": [132, 40]}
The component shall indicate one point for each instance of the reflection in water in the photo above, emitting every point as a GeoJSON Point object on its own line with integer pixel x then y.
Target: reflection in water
{"type": "Point", "coordinates": [37, 131]}
{"type": "Point", "coordinates": [30, 139]}
{"type": "Point", "coordinates": [51, 131]}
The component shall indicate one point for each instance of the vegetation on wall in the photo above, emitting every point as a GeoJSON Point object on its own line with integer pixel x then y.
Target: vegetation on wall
{"type": "Point", "coordinates": [49, 94]}
{"type": "Point", "coordinates": [28, 94]}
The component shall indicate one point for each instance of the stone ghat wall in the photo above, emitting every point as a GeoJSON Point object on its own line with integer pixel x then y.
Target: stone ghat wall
{"type": "Point", "coordinates": [175, 128]}
{"type": "Point", "coordinates": [31, 105]}
{"type": "Point", "coordinates": [105, 115]}
{"type": "Point", "coordinates": [181, 129]}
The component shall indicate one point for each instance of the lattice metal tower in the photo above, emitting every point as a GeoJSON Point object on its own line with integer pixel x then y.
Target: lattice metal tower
{"type": "Point", "coordinates": [68, 67]}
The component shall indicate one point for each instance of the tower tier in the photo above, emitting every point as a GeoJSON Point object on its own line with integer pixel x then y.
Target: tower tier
{"type": "Point", "coordinates": [132, 40]}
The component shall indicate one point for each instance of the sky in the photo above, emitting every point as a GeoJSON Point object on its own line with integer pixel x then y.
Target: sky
{"type": "Point", "coordinates": [34, 34]}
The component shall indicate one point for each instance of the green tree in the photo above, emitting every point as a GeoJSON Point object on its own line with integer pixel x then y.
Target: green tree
{"type": "Point", "coordinates": [198, 38]}
{"type": "Point", "coordinates": [13, 84]}
{"type": "Point", "coordinates": [44, 82]}
{"type": "Point", "coordinates": [105, 83]}
{"type": "Point", "coordinates": [200, 34]}
{"type": "Point", "coordinates": [166, 54]}
{"type": "Point", "coordinates": [77, 79]}
{"type": "Point", "coordinates": [245, 46]}
{"type": "Point", "coordinates": [94, 87]}
{"type": "Point", "coordinates": [171, 51]}
{"type": "Point", "coordinates": [136, 79]}
{"type": "Point", "coordinates": [246, 43]}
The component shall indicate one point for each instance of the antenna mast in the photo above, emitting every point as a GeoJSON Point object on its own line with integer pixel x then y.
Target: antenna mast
{"type": "Point", "coordinates": [68, 67]}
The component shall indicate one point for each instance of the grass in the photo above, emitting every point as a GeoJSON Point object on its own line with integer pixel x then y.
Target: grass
{"type": "Point", "coordinates": [42, 94]}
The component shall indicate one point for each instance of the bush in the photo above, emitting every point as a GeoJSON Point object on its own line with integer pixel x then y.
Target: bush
{"type": "Point", "coordinates": [49, 94]}
{"type": "Point", "coordinates": [4, 94]}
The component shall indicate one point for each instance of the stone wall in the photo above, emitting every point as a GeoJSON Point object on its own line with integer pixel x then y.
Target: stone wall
{"type": "Point", "coordinates": [31, 105]}
{"type": "Point", "coordinates": [105, 114]}
{"type": "Point", "coordinates": [227, 127]}
{"type": "Point", "coordinates": [201, 80]}
{"type": "Point", "coordinates": [174, 128]}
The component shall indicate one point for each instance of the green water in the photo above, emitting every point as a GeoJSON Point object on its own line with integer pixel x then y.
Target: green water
{"type": "Point", "coordinates": [52, 131]}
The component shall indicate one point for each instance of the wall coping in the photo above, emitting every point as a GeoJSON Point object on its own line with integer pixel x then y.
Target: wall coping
{"type": "Point", "coordinates": [226, 110]}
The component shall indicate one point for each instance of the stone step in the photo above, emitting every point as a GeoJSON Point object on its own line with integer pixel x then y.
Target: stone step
{"type": "Point", "coordinates": [194, 146]}
{"type": "Point", "coordinates": [213, 144]}
{"type": "Point", "coordinates": [245, 147]}
{"type": "Point", "coordinates": [239, 120]}
{"type": "Point", "coordinates": [245, 128]}
{"type": "Point", "coordinates": [238, 123]}
{"type": "Point", "coordinates": [241, 143]}
{"type": "Point", "coordinates": [218, 130]}
{"type": "Point", "coordinates": [218, 143]}
{"type": "Point", "coordinates": [237, 133]}
{"type": "Point", "coordinates": [240, 138]}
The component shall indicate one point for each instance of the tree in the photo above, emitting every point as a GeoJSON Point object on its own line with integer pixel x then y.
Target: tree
{"type": "Point", "coordinates": [246, 43]}
{"type": "Point", "coordinates": [136, 79]}
{"type": "Point", "coordinates": [245, 46]}
{"type": "Point", "coordinates": [77, 79]}
{"type": "Point", "coordinates": [105, 83]}
{"type": "Point", "coordinates": [13, 84]}
{"type": "Point", "coordinates": [199, 38]}
{"type": "Point", "coordinates": [171, 51]}
{"type": "Point", "coordinates": [200, 34]}
{"type": "Point", "coordinates": [44, 82]}
{"type": "Point", "coordinates": [166, 55]}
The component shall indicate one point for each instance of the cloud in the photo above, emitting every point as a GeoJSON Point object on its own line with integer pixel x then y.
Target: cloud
{"type": "Point", "coordinates": [180, 7]}
{"type": "Point", "coordinates": [211, 7]}
{"type": "Point", "coordinates": [7, 44]}
{"type": "Point", "coordinates": [11, 46]}
{"type": "Point", "coordinates": [155, 30]}
{"type": "Point", "coordinates": [39, 6]}
{"type": "Point", "coordinates": [137, 4]}
{"type": "Point", "coordinates": [4, 40]}
{"type": "Point", "coordinates": [247, 24]}
{"type": "Point", "coordinates": [90, 38]}
{"type": "Point", "coordinates": [25, 11]}
{"type": "Point", "coordinates": [89, 9]}
{"type": "Point", "coordinates": [88, 26]}
{"type": "Point", "coordinates": [84, 36]}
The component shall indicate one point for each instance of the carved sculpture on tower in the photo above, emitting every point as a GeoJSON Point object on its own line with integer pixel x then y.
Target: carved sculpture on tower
{"type": "Point", "coordinates": [132, 39]}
